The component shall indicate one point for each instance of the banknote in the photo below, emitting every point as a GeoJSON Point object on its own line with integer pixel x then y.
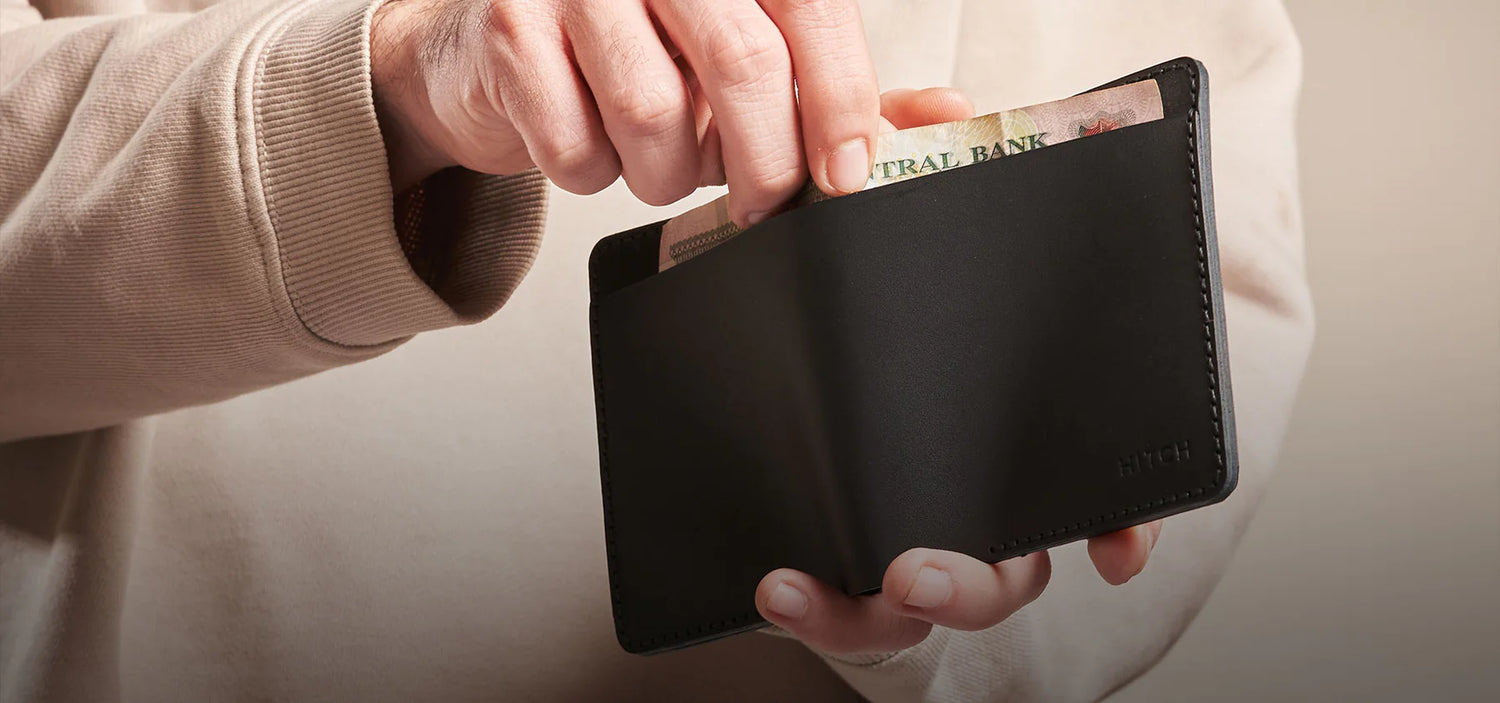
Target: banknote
{"type": "Point", "coordinates": [920, 151]}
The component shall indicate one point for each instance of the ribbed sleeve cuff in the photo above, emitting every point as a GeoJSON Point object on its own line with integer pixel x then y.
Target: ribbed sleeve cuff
{"type": "Point", "coordinates": [323, 169]}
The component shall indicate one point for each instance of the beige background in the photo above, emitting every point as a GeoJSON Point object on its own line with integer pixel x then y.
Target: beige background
{"type": "Point", "coordinates": [1373, 569]}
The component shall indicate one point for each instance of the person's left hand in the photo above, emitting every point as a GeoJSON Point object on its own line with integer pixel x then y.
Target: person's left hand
{"type": "Point", "coordinates": [926, 587]}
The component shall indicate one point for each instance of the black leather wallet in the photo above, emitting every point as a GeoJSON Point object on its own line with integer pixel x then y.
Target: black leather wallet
{"type": "Point", "coordinates": [994, 360]}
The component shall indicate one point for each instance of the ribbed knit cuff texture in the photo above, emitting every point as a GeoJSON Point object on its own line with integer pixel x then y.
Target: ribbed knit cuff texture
{"type": "Point", "coordinates": [323, 167]}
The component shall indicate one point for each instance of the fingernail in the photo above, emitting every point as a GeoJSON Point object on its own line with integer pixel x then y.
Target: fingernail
{"type": "Point", "coordinates": [757, 217]}
{"type": "Point", "coordinates": [788, 602]}
{"type": "Point", "coordinates": [932, 588]}
{"type": "Point", "coordinates": [849, 166]}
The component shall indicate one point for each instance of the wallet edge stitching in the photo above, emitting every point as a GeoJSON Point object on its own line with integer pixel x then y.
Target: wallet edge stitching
{"type": "Point", "coordinates": [739, 622]}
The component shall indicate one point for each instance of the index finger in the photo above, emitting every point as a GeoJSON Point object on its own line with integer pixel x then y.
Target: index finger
{"type": "Point", "coordinates": [837, 93]}
{"type": "Point", "coordinates": [741, 62]}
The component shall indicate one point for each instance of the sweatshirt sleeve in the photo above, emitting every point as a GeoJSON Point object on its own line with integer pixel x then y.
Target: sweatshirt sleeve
{"type": "Point", "coordinates": [194, 206]}
{"type": "Point", "coordinates": [1084, 639]}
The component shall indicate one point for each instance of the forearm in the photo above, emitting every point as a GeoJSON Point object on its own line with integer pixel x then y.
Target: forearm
{"type": "Point", "coordinates": [196, 206]}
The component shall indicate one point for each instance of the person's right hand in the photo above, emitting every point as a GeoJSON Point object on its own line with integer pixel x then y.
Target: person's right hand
{"type": "Point", "coordinates": [673, 94]}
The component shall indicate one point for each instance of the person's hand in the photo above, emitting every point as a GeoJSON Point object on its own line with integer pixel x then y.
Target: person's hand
{"type": "Point", "coordinates": [673, 94]}
{"type": "Point", "coordinates": [926, 587]}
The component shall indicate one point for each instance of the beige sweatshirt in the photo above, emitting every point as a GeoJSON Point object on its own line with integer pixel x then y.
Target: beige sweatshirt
{"type": "Point", "coordinates": [197, 220]}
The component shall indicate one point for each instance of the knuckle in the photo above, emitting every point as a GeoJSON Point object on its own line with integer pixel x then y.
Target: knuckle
{"type": "Point", "coordinates": [567, 151]}
{"type": "Point", "coordinates": [776, 175]}
{"type": "Point", "coordinates": [576, 160]}
{"type": "Point", "coordinates": [660, 194]}
{"type": "Point", "coordinates": [740, 55]}
{"type": "Point", "coordinates": [503, 18]}
{"type": "Point", "coordinates": [648, 108]}
{"type": "Point", "coordinates": [592, 181]}
{"type": "Point", "coordinates": [655, 192]}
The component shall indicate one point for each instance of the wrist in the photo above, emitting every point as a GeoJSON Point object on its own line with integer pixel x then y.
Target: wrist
{"type": "Point", "coordinates": [402, 105]}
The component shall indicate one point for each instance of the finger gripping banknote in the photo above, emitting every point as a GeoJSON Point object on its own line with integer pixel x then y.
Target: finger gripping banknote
{"type": "Point", "coordinates": [921, 151]}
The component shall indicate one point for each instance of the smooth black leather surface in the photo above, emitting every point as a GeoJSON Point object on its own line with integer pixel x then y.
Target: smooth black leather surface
{"type": "Point", "coordinates": [993, 360]}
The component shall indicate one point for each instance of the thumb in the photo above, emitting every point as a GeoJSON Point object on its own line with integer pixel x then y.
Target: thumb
{"type": "Point", "coordinates": [905, 108]}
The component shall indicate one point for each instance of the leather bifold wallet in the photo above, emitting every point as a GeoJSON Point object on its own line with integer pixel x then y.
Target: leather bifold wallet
{"type": "Point", "coordinates": [993, 359]}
